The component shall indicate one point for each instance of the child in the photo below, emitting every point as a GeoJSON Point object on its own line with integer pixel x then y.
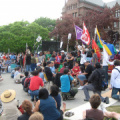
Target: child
{"type": "Point", "coordinates": [26, 76]}
{"type": "Point", "coordinates": [76, 69]}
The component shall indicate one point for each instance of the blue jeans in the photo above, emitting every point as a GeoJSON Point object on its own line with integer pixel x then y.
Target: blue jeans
{"type": "Point", "coordinates": [106, 73]}
{"type": "Point", "coordinates": [114, 93]}
{"type": "Point", "coordinates": [33, 66]}
{"type": "Point", "coordinates": [28, 68]}
{"type": "Point", "coordinates": [34, 94]}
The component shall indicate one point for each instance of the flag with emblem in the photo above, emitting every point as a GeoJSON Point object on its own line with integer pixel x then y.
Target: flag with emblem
{"type": "Point", "coordinates": [96, 48]}
{"type": "Point", "coordinates": [85, 36]}
{"type": "Point", "coordinates": [79, 32]}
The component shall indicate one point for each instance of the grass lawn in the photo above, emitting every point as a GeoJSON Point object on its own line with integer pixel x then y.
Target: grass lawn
{"type": "Point", "coordinates": [114, 109]}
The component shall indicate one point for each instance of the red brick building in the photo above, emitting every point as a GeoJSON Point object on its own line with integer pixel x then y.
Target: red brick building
{"type": "Point", "coordinates": [79, 8]}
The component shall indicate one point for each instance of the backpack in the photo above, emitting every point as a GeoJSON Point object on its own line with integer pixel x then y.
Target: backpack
{"type": "Point", "coordinates": [102, 85]}
{"type": "Point", "coordinates": [27, 82]}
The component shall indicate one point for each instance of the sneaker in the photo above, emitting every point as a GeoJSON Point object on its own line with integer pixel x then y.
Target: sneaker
{"type": "Point", "coordinates": [81, 87]}
{"type": "Point", "coordinates": [86, 100]}
{"type": "Point", "coordinates": [107, 100]}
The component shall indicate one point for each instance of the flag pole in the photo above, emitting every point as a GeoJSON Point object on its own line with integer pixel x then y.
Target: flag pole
{"type": "Point", "coordinates": [95, 33]}
{"type": "Point", "coordinates": [75, 34]}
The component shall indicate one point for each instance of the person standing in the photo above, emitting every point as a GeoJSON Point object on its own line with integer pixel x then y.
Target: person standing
{"type": "Point", "coordinates": [63, 55]}
{"type": "Point", "coordinates": [115, 80]}
{"type": "Point", "coordinates": [105, 63]}
{"type": "Point", "coordinates": [28, 61]}
{"type": "Point", "coordinates": [94, 58]}
{"type": "Point", "coordinates": [33, 62]}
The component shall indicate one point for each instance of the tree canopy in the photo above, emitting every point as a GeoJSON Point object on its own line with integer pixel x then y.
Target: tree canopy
{"type": "Point", "coordinates": [15, 36]}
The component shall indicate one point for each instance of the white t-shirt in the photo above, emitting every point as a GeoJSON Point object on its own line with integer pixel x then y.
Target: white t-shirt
{"type": "Point", "coordinates": [83, 58]}
{"type": "Point", "coordinates": [16, 73]}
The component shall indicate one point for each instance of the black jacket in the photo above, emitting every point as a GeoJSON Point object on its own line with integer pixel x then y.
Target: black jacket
{"type": "Point", "coordinates": [93, 78]}
{"type": "Point", "coordinates": [28, 59]}
{"type": "Point", "coordinates": [48, 73]}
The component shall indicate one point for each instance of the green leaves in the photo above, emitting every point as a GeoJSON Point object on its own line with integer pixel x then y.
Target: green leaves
{"type": "Point", "coordinates": [15, 36]}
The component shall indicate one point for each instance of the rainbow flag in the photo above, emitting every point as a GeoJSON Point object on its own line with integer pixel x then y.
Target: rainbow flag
{"type": "Point", "coordinates": [102, 44]}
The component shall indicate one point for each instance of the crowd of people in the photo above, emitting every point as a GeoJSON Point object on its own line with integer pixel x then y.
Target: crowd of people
{"type": "Point", "coordinates": [46, 74]}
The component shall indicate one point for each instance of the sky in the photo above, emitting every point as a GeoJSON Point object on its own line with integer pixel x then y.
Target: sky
{"type": "Point", "coordinates": [29, 10]}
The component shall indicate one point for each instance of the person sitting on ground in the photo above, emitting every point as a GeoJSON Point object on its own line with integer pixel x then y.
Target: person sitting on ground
{"type": "Point", "coordinates": [94, 113]}
{"type": "Point", "coordinates": [84, 76]}
{"type": "Point", "coordinates": [27, 107]}
{"type": "Point", "coordinates": [8, 62]}
{"type": "Point", "coordinates": [66, 80]}
{"type": "Point", "coordinates": [76, 69]}
{"type": "Point", "coordinates": [48, 72]}
{"type": "Point", "coordinates": [60, 66]}
{"type": "Point", "coordinates": [10, 105]}
{"type": "Point", "coordinates": [41, 74]}
{"type": "Point", "coordinates": [54, 92]}
{"type": "Point", "coordinates": [115, 80]}
{"type": "Point", "coordinates": [65, 66]}
{"type": "Point", "coordinates": [12, 73]}
{"type": "Point", "coordinates": [52, 58]}
{"type": "Point", "coordinates": [35, 83]}
{"type": "Point", "coordinates": [26, 76]}
{"type": "Point", "coordinates": [47, 106]}
{"type": "Point", "coordinates": [95, 83]}
{"type": "Point", "coordinates": [18, 76]}
{"type": "Point", "coordinates": [1, 79]}
{"type": "Point", "coordinates": [36, 116]}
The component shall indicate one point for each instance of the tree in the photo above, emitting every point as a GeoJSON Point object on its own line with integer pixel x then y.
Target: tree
{"type": "Point", "coordinates": [46, 23]}
{"type": "Point", "coordinates": [15, 36]}
{"type": "Point", "coordinates": [64, 26]}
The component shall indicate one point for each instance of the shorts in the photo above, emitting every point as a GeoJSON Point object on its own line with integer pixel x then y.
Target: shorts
{"type": "Point", "coordinates": [82, 77]}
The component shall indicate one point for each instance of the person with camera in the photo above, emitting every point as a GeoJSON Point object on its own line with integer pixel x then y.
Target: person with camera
{"type": "Point", "coordinates": [66, 90]}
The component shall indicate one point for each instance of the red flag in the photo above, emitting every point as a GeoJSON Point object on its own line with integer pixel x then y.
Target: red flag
{"type": "Point", "coordinates": [85, 35]}
{"type": "Point", "coordinates": [97, 50]}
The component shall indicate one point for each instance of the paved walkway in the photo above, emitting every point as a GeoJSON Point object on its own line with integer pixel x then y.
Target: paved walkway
{"type": "Point", "coordinates": [8, 83]}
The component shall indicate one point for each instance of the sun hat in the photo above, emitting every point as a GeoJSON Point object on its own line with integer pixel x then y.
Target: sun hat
{"type": "Point", "coordinates": [8, 96]}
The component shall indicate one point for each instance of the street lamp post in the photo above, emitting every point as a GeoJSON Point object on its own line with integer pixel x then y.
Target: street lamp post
{"type": "Point", "coordinates": [69, 37]}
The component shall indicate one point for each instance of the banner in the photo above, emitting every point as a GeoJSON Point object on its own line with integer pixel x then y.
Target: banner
{"type": "Point", "coordinates": [85, 36]}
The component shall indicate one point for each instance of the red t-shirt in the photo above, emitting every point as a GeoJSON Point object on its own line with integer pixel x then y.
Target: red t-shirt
{"type": "Point", "coordinates": [76, 69]}
{"type": "Point", "coordinates": [35, 83]}
{"type": "Point", "coordinates": [62, 70]}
